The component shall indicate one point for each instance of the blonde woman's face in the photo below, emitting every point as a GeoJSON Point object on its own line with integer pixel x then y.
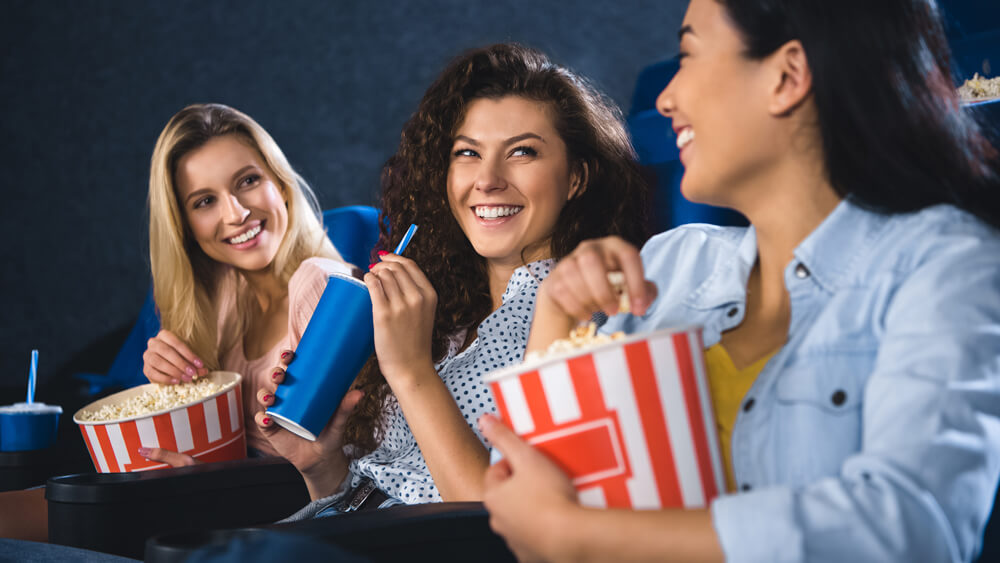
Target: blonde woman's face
{"type": "Point", "coordinates": [509, 177]}
{"type": "Point", "coordinates": [232, 203]}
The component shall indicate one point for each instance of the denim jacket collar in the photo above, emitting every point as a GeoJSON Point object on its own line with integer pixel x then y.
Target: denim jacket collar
{"type": "Point", "coordinates": [728, 283]}
{"type": "Point", "coordinates": [842, 239]}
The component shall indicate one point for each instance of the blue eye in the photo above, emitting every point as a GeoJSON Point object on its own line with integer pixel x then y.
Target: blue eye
{"type": "Point", "coordinates": [523, 151]}
{"type": "Point", "coordinates": [465, 152]}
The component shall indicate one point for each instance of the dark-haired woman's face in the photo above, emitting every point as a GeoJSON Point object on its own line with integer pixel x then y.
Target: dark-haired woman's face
{"type": "Point", "coordinates": [717, 105]}
{"type": "Point", "coordinates": [509, 178]}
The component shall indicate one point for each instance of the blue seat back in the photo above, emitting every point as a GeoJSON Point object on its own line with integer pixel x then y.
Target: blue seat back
{"type": "Point", "coordinates": [656, 146]}
{"type": "Point", "coordinates": [353, 231]}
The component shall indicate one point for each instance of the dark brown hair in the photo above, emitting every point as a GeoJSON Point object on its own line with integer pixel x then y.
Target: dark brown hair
{"type": "Point", "coordinates": [414, 190]}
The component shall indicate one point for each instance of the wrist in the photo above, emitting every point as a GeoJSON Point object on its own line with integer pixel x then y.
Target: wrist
{"type": "Point", "coordinates": [404, 378]}
{"type": "Point", "coordinates": [566, 543]}
{"type": "Point", "coordinates": [322, 480]}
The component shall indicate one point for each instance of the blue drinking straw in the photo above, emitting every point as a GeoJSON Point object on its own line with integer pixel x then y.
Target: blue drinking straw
{"type": "Point", "coordinates": [32, 373]}
{"type": "Point", "coordinates": [406, 240]}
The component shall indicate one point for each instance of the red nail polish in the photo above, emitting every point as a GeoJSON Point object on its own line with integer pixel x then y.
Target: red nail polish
{"type": "Point", "coordinates": [372, 265]}
{"type": "Point", "coordinates": [266, 421]}
{"type": "Point", "coordinates": [276, 373]}
{"type": "Point", "coordinates": [267, 397]}
{"type": "Point", "coordinates": [286, 355]}
{"type": "Point", "coordinates": [383, 252]}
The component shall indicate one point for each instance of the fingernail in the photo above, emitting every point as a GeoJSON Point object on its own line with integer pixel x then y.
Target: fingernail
{"type": "Point", "coordinates": [144, 452]}
{"type": "Point", "coordinates": [198, 363]}
{"type": "Point", "coordinates": [174, 381]}
{"type": "Point", "coordinates": [186, 378]}
{"type": "Point", "coordinates": [276, 373]}
{"type": "Point", "coordinates": [266, 421]}
{"type": "Point", "coordinates": [267, 397]}
{"type": "Point", "coordinates": [286, 355]}
{"type": "Point", "coordinates": [189, 370]}
{"type": "Point", "coordinates": [383, 252]}
{"type": "Point", "coordinates": [372, 265]}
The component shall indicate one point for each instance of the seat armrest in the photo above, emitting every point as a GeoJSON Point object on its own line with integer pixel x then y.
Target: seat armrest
{"type": "Point", "coordinates": [450, 531]}
{"type": "Point", "coordinates": [117, 512]}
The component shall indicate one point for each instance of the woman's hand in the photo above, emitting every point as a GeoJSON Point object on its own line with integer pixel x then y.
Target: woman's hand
{"type": "Point", "coordinates": [322, 463]}
{"type": "Point", "coordinates": [526, 495]}
{"type": "Point", "coordinates": [173, 459]}
{"type": "Point", "coordinates": [403, 306]}
{"type": "Point", "coordinates": [578, 287]}
{"type": "Point", "coordinates": [579, 284]}
{"type": "Point", "coordinates": [168, 360]}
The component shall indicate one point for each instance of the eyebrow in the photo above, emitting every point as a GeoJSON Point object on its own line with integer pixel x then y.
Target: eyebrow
{"type": "Point", "coordinates": [237, 174]}
{"type": "Point", "coordinates": [683, 30]}
{"type": "Point", "coordinates": [510, 141]}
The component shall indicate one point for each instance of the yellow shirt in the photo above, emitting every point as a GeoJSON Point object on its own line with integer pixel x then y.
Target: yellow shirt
{"type": "Point", "coordinates": [728, 386]}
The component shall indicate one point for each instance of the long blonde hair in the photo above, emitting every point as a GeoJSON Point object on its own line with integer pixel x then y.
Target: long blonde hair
{"type": "Point", "coordinates": [185, 280]}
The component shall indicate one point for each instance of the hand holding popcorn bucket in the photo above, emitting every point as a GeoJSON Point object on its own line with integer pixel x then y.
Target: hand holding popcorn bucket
{"type": "Point", "coordinates": [629, 421]}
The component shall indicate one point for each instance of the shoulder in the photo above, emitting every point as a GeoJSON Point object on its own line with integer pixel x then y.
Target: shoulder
{"type": "Point", "coordinates": [309, 281]}
{"type": "Point", "coordinates": [691, 251]}
{"type": "Point", "coordinates": [313, 272]}
{"type": "Point", "coordinates": [941, 237]}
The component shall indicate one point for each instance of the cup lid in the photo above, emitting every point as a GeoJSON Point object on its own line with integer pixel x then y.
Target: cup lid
{"type": "Point", "coordinates": [30, 408]}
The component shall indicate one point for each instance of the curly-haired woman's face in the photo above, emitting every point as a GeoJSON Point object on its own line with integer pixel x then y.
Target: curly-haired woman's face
{"type": "Point", "coordinates": [509, 178]}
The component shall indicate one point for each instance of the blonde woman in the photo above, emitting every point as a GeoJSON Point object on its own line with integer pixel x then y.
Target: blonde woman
{"type": "Point", "coordinates": [238, 253]}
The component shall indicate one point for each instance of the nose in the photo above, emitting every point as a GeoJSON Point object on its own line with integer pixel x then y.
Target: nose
{"type": "Point", "coordinates": [665, 101]}
{"type": "Point", "coordinates": [490, 177]}
{"type": "Point", "coordinates": [233, 211]}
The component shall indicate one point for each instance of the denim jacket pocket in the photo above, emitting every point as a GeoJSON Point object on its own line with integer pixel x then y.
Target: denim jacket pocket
{"type": "Point", "coordinates": [823, 386]}
{"type": "Point", "coordinates": [818, 415]}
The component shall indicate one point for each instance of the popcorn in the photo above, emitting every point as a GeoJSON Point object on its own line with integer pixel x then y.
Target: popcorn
{"type": "Point", "coordinates": [581, 337]}
{"type": "Point", "coordinates": [979, 88]}
{"type": "Point", "coordinates": [617, 281]}
{"type": "Point", "coordinates": [157, 398]}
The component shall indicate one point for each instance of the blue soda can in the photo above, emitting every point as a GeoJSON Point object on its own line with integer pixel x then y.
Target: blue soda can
{"type": "Point", "coordinates": [336, 344]}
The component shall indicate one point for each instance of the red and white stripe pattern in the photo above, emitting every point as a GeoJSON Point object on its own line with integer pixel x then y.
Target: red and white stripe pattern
{"type": "Point", "coordinates": [630, 423]}
{"type": "Point", "coordinates": [211, 430]}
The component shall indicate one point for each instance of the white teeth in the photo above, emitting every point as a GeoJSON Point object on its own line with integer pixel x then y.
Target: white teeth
{"type": "Point", "coordinates": [245, 236]}
{"type": "Point", "coordinates": [484, 212]}
{"type": "Point", "coordinates": [686, 136]}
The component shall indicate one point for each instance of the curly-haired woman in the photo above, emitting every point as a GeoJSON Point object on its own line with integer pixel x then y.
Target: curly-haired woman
{"type": "Point", "coordinates": [508, 163]}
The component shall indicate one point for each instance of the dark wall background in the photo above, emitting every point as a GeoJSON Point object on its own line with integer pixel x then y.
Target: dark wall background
{"type": "Point", "coordinates": [85, 88]}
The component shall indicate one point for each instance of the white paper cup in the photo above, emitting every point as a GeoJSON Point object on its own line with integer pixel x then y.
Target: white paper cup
{"type": "Point", "coordinates": [630, 421]}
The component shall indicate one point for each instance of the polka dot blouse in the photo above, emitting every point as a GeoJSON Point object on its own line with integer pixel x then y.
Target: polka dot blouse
{"type": "Point", "coordinates": [397, 466]}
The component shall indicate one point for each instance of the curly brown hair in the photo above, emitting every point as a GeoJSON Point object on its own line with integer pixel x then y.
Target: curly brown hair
{"type": "Point", "coordinates": [414, 190]}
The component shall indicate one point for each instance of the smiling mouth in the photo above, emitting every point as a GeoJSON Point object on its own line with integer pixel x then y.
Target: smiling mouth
{"type": "Point", "coordinates": [249, 235]}
{"type": "Point", "coordinates": [496, 211]}
{"type": "Point", "coordinates": [685, 137]}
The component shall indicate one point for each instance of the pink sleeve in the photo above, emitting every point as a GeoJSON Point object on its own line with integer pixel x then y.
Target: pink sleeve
{"type": "Point", "coordinates": [304, 290]}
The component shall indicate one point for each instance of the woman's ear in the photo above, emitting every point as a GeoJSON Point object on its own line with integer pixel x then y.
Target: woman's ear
{"type": "Point", "coordinates": [794, 78]}
{"type": "Point", "coordinates": [578, 180]}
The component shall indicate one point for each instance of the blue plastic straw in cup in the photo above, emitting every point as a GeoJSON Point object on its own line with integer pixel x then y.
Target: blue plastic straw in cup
{"type": "Point", "coordinates": [406, 240]}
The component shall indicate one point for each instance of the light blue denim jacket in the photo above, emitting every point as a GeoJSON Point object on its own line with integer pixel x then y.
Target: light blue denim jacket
{"type": "Point", "coordinates": [874, 433]}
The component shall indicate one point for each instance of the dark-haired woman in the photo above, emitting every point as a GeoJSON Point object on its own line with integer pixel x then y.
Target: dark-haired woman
{"type": "Point", "coordinates": [509, 162]}
{"type": "Point", "coordinates": [853, 331]}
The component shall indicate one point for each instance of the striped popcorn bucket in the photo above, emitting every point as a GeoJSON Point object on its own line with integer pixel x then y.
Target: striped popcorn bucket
{"type": "Point", "coordinates": [630, 421]}
{"type": "Point", "coordinates": [210, 429]}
